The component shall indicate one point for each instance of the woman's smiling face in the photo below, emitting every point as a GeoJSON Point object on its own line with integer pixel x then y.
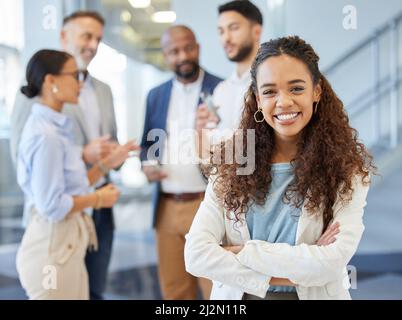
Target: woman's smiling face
{"type": "Point", "coordinates": [286, 95]}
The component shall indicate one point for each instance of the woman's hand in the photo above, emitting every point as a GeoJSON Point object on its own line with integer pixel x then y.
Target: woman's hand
{"type": "Point", "coordinates": [120, 154]}
{"type": "Point", "coordinates": [328, 236]}
{"type": "Point", "coordinates": [234, 249]}
{"type": "Point", "coordinates": [98, 149]}
{"type": "Point", "coordinates": [108, 196]}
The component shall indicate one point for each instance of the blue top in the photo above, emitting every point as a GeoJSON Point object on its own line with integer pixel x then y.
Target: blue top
{"type": "Point", "coordinates": [275, 221]}
{"type": "Point", "coordinates": [50, 168]}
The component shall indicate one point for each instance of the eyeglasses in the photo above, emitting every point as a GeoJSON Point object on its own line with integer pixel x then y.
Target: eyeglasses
{"type": "Point", "coordinates": [79, 75]}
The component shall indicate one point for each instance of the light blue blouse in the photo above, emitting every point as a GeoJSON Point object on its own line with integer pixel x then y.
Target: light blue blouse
{"type": "Point", "coordinates": [275, 221]}
{"type": "Point", "coordinates": [50, 168]}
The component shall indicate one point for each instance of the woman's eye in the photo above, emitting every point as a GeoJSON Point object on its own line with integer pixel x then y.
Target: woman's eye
{"type": "Point", "coordinates": [297, 89]}
{"type": "Point", "coordinates": [268, 93]}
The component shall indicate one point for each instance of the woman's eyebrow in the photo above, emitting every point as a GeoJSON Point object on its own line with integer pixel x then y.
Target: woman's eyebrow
{"type": "Point", "coordinates": [274, 85]}
{"type": "Point", "coordinates": [267, 85]}
{"type": "Point", "coordinates": [296, 81]}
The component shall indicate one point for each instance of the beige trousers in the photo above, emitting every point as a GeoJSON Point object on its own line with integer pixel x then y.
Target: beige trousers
{"type": "Point", "coordinates": [50, 260]}
{"type": "Point", "coordinates": [173, 223]}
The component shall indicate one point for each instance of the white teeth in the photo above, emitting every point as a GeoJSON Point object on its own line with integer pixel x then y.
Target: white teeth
{"type": "Point", "coordinates": [289, 116]}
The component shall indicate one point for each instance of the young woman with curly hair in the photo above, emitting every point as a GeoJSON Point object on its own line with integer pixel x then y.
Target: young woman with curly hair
{"type": "Point", "coordinates": [289, 229]}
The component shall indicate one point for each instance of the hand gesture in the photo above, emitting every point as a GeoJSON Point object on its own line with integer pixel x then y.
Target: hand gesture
{"type": "Point", "coordinates": [98, 149]}
{"type": "Point", "coordinates": [120, 154]}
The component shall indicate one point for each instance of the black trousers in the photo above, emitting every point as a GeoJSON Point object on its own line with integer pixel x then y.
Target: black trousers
{"type": "Point", "coordinates": [97, 262]}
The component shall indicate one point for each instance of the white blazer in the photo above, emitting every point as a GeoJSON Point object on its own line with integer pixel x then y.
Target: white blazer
{"type": "Point", "coordinates": [319, 271]}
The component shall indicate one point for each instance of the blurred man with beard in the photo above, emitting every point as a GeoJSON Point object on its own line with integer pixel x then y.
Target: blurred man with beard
{"type": "Point", "coordinates": [179, 185]}
{"type": "Point", "coordinates": [240, 28]}
{"type": "Point", "coordinates": [94, 130]}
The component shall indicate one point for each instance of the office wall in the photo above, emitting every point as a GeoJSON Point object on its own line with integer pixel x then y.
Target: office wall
{"type": "Point", "coordinates": [321, 23]}
{"type": "Point", "coordinates": [42, 19]}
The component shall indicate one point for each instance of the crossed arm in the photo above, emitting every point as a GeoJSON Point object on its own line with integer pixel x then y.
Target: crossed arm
{"type": "Point", "coordinates": [328, 237]}
{"type": "Point", "coordinates": [260, 264]}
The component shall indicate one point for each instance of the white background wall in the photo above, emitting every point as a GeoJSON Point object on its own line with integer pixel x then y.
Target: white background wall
{"type": "Point", "coordinates": [320, 23]}
{"type": "Point", "coordinates": [40, 32]}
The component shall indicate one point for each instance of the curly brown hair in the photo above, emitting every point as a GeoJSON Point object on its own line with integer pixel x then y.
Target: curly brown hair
{"type": "Point", "coordinates": [328, 155]}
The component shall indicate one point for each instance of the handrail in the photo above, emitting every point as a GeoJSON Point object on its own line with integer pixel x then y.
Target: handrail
{"type": "Point", "coordinates": [369, 96]}
{"type": "Point", "coordinates": [362, 44]}
{"type": "Point", "coordinates": [389, 84]}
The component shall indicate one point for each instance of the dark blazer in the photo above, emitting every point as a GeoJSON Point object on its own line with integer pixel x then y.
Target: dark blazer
{"type": "Point", "coordinates": [155, 118]}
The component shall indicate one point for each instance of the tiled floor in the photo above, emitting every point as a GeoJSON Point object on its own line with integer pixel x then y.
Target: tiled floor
{"type": "Point", "coordinates": [133, 273]}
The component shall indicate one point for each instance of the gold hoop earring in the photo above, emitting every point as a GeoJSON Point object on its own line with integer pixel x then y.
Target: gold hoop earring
{"type": "Point", "coordinates": [262, 116]}
{"type": "Point", "coordinates": [316, 106]}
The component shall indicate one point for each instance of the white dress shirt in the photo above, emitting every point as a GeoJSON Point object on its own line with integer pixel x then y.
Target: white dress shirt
{"type": "Point", "coordinates": [180, 160]}
{"type": "Point", "coordinates": [88, 102]}
{"type": "Point", "coordinates": [229, 97]}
